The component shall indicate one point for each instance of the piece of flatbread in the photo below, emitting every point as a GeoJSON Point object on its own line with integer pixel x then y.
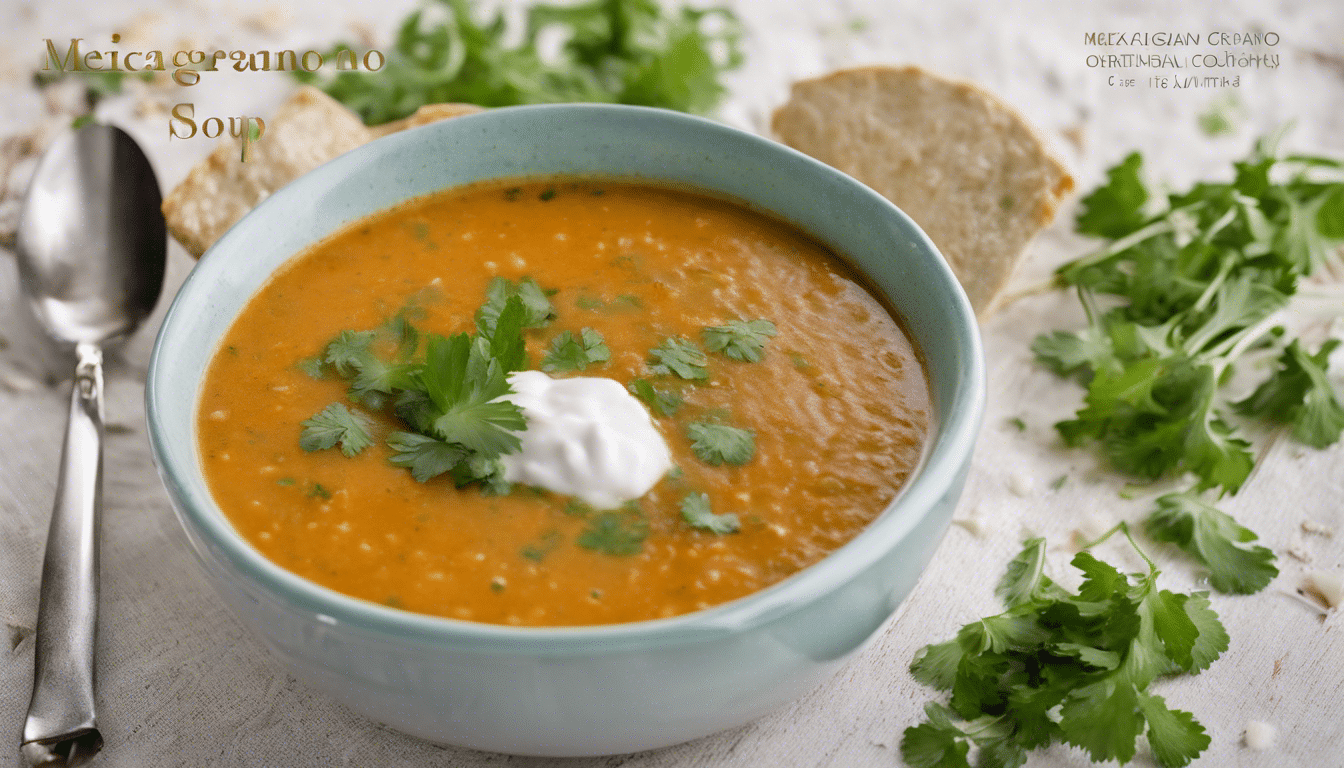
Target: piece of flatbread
{"type": "Point", "coordinates": [307, 130]}
{"type": "Point", "coordinates": [962, 164]}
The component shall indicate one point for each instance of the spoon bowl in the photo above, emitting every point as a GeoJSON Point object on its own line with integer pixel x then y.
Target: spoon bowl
{"type": "Point", "coordinates": [91, 240]}
{"type": "Point", "coordinates": [91, 251]}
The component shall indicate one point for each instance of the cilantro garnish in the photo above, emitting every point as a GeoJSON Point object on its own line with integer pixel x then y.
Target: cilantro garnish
{"type": "Point", "coordinates": [622, 51]}
{"type": "Point", "coordinates": [742, 340]}
{"type": "Point", "coordinates": [336, 424]}
{"type": "Point", "coordinates": [537, 309]}
{"type": "Point", "coordinates": [614, 533]}
{"type": "Point", "coordinates": [349, 350]}
{"type": "Point", "coordinates": [426, 457]}
{"type": "Point", "coordinates": [695, 510]}
{"type": "Point", "coordinates": [449, 398]}
{"type": "Point", "coordinates": [680, 357]}
{"type": "Point", "coordinates": [1300, 394]}
{"type": "Point", "coordinates": [312, 366]}
{"type": "Point", "coordinates": [1215, 540]}
{"type": "Point", "coordinates": [1058, 666]}
{"type": "Point", "coordinates": [1116, 208]}
{"type": "Point", "coordinates": [569, 352]}
{"type": "Point", "coordinates": [544, 545]}
{"type": "Point", "coordinates": [662, 403]}
{"type": "Point", "coordinates": [721, 444]}
{"type": "Point", "coordinates": [1193, 282]}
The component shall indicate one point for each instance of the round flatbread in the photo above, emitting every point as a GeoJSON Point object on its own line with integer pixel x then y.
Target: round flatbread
{"type": "Point", "coordinates": [962, 164]}
{"type": "Point", "coordinates": [308, 130]}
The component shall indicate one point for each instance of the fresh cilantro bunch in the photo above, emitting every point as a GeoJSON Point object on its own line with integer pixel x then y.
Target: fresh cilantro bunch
{"type": "Point", "coordinates": [619, 51]}
{"type": "Point", "coordinates": [1072, 667]}
{"type": "Point", "coordinates": [448, 399]}
{"type": "Point", "coordinates": [1182, 289]}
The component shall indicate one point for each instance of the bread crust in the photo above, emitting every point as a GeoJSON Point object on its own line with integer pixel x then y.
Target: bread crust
{"type": "Point", "coordinates": [958, 161]}
{"type": "Point", "coordinates": [309, 129]}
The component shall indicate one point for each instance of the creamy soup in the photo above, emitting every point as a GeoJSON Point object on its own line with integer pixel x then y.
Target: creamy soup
{"type": "Point", "coordinates": [791, 405]}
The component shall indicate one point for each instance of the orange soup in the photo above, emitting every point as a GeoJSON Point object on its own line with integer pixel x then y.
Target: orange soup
{"type": "Point", "coordinates": [350, 425]}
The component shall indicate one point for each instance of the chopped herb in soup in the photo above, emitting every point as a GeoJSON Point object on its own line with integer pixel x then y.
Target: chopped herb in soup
{"type": "Point", "coordinates": [560, 404]}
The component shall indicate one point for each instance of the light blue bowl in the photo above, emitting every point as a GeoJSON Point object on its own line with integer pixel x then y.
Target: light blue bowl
{"type": "Point", "coordinates": [585, 690]}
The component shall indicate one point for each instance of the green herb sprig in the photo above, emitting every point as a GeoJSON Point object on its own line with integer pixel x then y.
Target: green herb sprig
{"type": "Point", "coordinates": [1192, 283]}
{"type": "Point", "coordinates": [448, 399]}
{"type": "Point", "coordinates": [1059, 666]}
{"type": "Point", "coordinates": [617, 51]}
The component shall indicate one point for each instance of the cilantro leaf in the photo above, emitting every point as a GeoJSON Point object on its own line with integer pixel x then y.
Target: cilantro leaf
{"type": "Point", "coordinates": [1195, 279]}
{"type": "Point", "coordinates": [575, 353]}
{"type": "Point", "coordinates": [336, 424]}
{"type": "Point", "coordinates": [717, 444]}
{"type": "Point", "coordinates": [1175, 736]}
{"type": "Point", "coordinates": [662, 403]}
{"type": "Point", "coordinates": [680, 357]}
{"type": "Point", "coordinates": [349, 350]}
{"type": "Point", "coordinates": [312, 367]}
{"type": "Point", "coordinates": [1103, 718]}
{"type": "Point", "coordinates": [614, 533]}
{"type": "Point", "coordinates": [1300, 393]}
{"type": "Point", "coordinates": [936, 665]}
{"type": "Point", "coordinates": [1025, 579]}
{"type": "Point", "coordinates": [742, 340]}
{"type": "Point", "coordinates": [623, 51]}
{"type": "Point", "coordinates": [486, 470]}
{"type": "Point", "coordinates": [426, 457]}
{"type": "Point", "coordinates": [1066, 352]}
{"type": "Point", "coordinates": [1066, 667]}
{"type": "Point", "coordinates": [452, 399]}
{"type": "Point", "coordinates": [538, 311]}
{"type": "Point", "coordinates": [696, 511]}
{"type": "Point", "coordinates": [936, 743]}
{"type": "Point", "coordinates": [1115, 209]}
{"type": "Point", "coordinates": [1212, 640]}
{"type": "Point", "coordinates": [1215, 540]}
{"type": "Point", "coordinates": [464, 382]}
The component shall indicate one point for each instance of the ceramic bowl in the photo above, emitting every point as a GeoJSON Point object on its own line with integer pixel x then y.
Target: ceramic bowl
{"type": "Point", "coordinates": [583, 690]}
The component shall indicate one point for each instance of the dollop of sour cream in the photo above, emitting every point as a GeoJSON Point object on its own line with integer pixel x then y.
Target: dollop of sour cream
{"type": "Point", "coordinates": [586, 437]}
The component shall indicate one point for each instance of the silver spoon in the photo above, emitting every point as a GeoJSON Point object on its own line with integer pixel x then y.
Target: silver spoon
{"type": "Point", "coordinates": [91, 252]}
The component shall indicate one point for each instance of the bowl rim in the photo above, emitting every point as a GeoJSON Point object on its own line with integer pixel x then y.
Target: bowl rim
{"type": "Point", "coordinates": [949, 447]}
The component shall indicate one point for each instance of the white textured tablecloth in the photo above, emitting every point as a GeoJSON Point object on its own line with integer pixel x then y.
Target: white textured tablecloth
{"type": "Point", "coordinates": [181, 684]}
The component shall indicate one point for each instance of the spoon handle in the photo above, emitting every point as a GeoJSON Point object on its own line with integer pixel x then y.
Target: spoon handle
{"type": "Point", "coordinates": [60, 728]}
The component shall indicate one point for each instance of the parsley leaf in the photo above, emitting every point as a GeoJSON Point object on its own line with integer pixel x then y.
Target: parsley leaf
{"type": "Point", "coordinates": [742, 340]}
{"type": "Point", "coordinates": [696, 511]}
{"type": "Point", "coordinates": [336, 424]}
{"type": "Point", "coordinates": [1215, 540]}
{"type": "Point", "coordinates": [614, 533]}
{"type": "Point", "coordinates": [680, 357]}
{"type": "Point", "coordinates": [717, 444]}
{"type": "Point", "coordinates": [1058, 666]}
{"type": "Point", "coordinates": [569, 352]}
